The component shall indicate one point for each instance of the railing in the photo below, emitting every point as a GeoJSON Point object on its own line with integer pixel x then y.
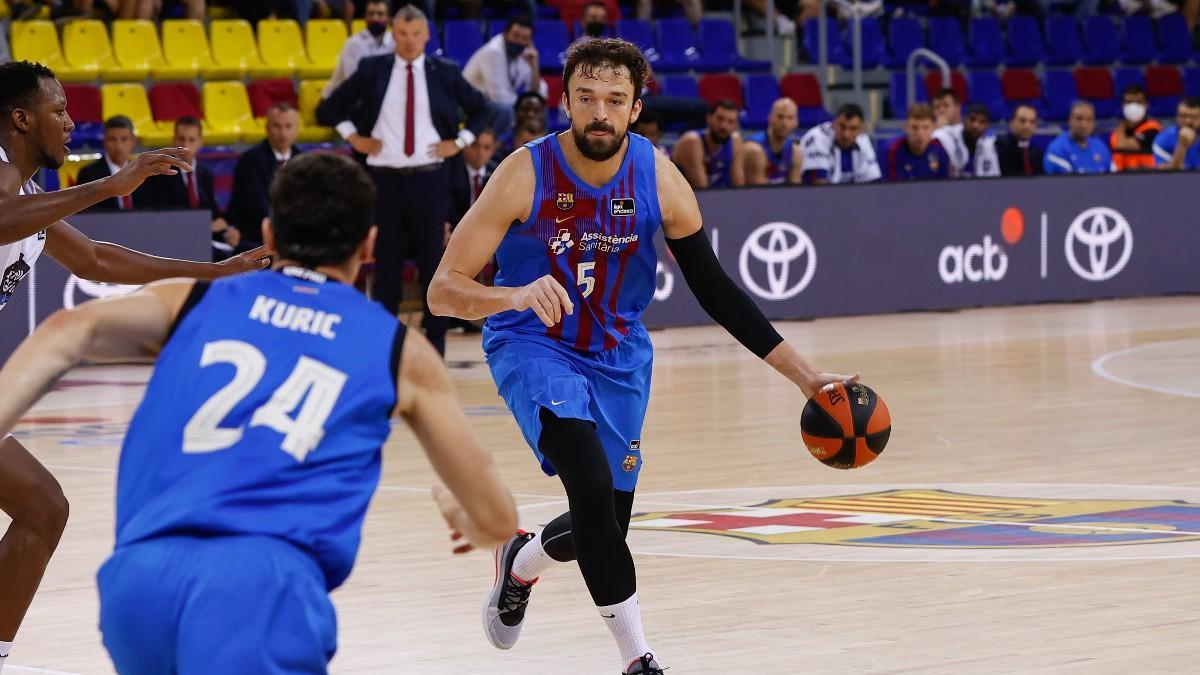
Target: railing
{"type": "Point", "coordinates": [823, 44]}
{"type": "Point", "coordinates": [910, 74]}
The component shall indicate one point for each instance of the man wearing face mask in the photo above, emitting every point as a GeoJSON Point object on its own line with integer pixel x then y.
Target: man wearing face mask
{"type": "Point", "coordinates": [595, 21]}
{"type": "Point", "coordinates": [505, 67]}
{"type": "Point", "coordinates": [1132, 143]}
{"type": "Point", "coordinates": [375, 40]}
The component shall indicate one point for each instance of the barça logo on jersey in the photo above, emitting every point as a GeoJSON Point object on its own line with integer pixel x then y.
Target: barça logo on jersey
{"type": "Point", "coordinates": [630, 463]}
{"type": "Point", "coordinates": [934, 518]}
{"type": "Point", "coordinates": [565, 201]}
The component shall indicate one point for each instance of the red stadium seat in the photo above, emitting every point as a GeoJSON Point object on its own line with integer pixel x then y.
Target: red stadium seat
{"type": "Point", "coordinates": [803, 88]}
{"type": "Point", "coordinates": [1020, 85]}
{"type": "Point", "coordinates": [716, 86]}
{"type": "Point", "coordinates": [1164, 81]}
{"type": "Point", "coordinates": [266, 93]}
{"type": "Point", "coordinates": [171, 100]}
{"type": "Point", "coordinates": [933, 84]}
{"type": "Point", "coordinates": [554, 90]}
{"type": "Point", "coordinates": [1094, 83]}
{"type": "Point", "coordinates": [83, 103]}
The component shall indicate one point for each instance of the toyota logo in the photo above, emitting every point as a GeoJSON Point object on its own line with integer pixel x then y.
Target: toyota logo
{"type": "Point", "coordinates": [93, 289]}
{"type": "Point", "coordinates": [777, 245]}
{"type": "Point", "coordinates": [1098, 230]}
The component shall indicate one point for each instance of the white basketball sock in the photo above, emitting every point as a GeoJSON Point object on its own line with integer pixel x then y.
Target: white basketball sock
{"type": "Point", "coordinates": [5, 648]}
{"type": "Point", "coordinates": [532, 559]}
{"type": "Point", "coordinates": [624, 620]}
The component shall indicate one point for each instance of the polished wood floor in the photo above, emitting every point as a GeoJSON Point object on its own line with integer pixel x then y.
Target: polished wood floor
{"type": "Point", "coordinates": [1094, 401]}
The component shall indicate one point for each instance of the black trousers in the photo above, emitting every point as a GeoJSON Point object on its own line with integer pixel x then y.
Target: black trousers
{"type": "Point", "coordinates": [410, 211]}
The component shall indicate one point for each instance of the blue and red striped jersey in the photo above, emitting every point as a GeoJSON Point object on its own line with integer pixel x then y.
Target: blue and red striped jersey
{"type": "Point", "coordinates": [596, 241]}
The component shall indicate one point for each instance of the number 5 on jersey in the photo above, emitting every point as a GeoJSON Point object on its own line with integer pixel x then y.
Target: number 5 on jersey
{"type": "Point", "coordinates": [581, 276]}
{"type": "Point", "coordinates": [311, 381]}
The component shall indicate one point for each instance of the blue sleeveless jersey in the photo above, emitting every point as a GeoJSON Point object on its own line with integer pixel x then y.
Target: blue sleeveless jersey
{"type": "Point", "coordinates": [779, 164]}
{"type": "Point", "coordinates": [265, 416]}
{"type": "Point", "coordinates": [718, 164]}
{"type": "Point", "coordinates": [596, 242]}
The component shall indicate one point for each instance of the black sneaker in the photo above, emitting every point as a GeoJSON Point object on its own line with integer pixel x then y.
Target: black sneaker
{"type": "Point", "coordinates": [504, 609]}
{"type": "Point", "coordinates": [645, 665]}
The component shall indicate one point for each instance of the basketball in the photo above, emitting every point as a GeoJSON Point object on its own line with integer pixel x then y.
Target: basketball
{"type": "Point", "coordinates": [845, 426]}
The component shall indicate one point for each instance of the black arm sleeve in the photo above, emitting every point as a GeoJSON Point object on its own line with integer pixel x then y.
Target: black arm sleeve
{"type": "Point", "coordinates": [727, 304]}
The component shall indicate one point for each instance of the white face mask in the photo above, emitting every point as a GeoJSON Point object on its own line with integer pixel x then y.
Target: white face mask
{"type": "Point", "coordinates": [1134, 112]}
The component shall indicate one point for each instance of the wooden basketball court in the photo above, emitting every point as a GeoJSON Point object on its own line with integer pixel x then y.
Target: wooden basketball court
{"type": "Point", "coordinates": [1082, 417]}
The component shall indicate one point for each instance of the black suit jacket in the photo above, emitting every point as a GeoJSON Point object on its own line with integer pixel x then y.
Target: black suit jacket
{"type": "Point", "coordinates": [142, 198]}
{"type": "Point", "coordinates": [360, 98]}
{"type": "Point", "coordinates": [249, 203]}
{"type": "Point", "coordinates": [460, 187]}
{"type": "Point", "coordinates": [169, 192]}
{"type": "Point", "coordinates": [1012, 162]}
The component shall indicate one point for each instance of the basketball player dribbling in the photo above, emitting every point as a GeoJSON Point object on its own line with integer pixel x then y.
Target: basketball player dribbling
{"type": "Point", "coordinates": [247, 469]}
{"type": "Point", "coordinates": [34, 131]}
{"type": "Point", "coordinates": [570, 218]}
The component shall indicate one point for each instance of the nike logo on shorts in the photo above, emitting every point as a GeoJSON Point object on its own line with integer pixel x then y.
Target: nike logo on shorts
{"type": "Point", "coordinates": [557, 402]}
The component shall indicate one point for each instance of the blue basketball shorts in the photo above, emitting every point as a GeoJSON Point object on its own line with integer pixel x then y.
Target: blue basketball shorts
{"type": "Point", "coordinates": [235, 604]}
{"type": "Point", "coordinates": [610, 389]}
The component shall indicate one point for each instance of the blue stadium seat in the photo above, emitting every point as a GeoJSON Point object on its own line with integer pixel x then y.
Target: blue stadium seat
{"type": "Point", "coordinates": [1100, 34]}
{"type": "Point", "coordinates": [1058, 91]}
{"type": "Point", "coordinates": [496, 27]}
{"type": "Point", "coordinates": [761, 90]}
{"type": "Point", "coordinates": [1137, 40]}
{"type": "Point", "coordinates": [1025, 46]}
{"type": "Point", "coordinates": [1124, 77]}
{"type": "Point", "coordinates": [833, 49]}
{"type": "Point", "coordinates": [985, 88]}
{"type": "Point", "coordinates": [461, 39]}
{"type": "Point", "coordinates": [551, 39]}
{"type": "Point", "coordinates": [898, 95]}
{"type": "Point", "coordinates": [1174, 39]}
{"type": "Point", "coordinates": [874, 51]}
{"type": "Point", "coordinates": [434, 46]}
{"type": "Point", "coordinates": [641, 34]}
{"type": "Point", "coordinates": [1062, 41]}
{"type": "Point", "coordinates": [904, 35]}
{"type": "Point", "coordinates": [883, 144]}
{"type": "Point", "coordinates": [986, 42]}
{"type": "Point", "coordinates": [680, 85]}
{"type": "Point", "coordinates": [719, 51]}
{"type": "Point", "coordinates": [676, 45]}
{"type": "Point", "coordinates": [1191, 81]}
{"type": "Point", "coordinates": [945, 38]}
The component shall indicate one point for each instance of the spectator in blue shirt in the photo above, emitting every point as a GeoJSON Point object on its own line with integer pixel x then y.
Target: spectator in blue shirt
{"type": "Point", "coordinates": [1078, 151]}
{"type": "Point", "coordinates": [916, 156]}
{"type": "Point", "coordinates": [1176, 146]}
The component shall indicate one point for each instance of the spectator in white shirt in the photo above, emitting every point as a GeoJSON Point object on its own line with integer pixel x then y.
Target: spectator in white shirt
{"type": "Point", "coordinates": [505, 67]}
{"type": "Point", "coordinates": [376, 39]}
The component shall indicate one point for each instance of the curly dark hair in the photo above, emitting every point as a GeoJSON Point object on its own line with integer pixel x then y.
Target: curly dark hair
{"type": "Point", "coordinates": [322, 207]}
{"type": "Point", "coordinates": [590, 56]}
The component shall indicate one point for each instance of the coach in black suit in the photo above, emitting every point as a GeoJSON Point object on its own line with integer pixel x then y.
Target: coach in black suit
{"type": "Point", "coordinates": [119, 141]}
{"type": "Point", "coordinates": [256, 167]}
{"type": "Point", "coordinates": [402, 113]}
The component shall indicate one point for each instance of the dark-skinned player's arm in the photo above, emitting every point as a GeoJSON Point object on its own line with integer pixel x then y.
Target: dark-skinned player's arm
{"type": "Point", "coordinates": [23, 216]}
{"type": "Point", "coordinates": [507, 197]}
{"type": "Point", "coordinates": [477, 506]}
{"type": "Point", "coordinates": [727, 304]}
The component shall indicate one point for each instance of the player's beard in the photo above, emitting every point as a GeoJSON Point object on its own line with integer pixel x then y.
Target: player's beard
{"type": "Point", "coordinates": [598, 149]}
{"type": "Point", "coordinates": [718, 137]}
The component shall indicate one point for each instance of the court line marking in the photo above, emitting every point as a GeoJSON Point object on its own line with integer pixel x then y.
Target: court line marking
{"type": "Point", "coordinates": [811, 559]}
{"type": "Point", "coordinates": [1098, 367]}
{"type": "Point", "coordinates": [31, 669]}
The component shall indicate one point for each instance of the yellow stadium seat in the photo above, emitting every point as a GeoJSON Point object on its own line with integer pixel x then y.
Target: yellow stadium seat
{"type": "Point", "coordinates": [233, 46]}
{"type": "Point", "coordinates": [135, 44]}
{"type": "Point", "coordinates": [358, 26]}
{"type": "Point", "coordinates": [130, 100]}
{"type": "Point", "coordinates": [324, 39]}
{"type": "Point", "coordinates": [310, 96]}
{"type": "Point", "coordinates": [281, 46]}
{"type": "Point", "coordinates": [186, 46]}
{"type": "Point", "coordinates": [86, 48]}
{"type": "Point", "coordinates": [227, 109]}
{"type": "Point", "coordinates": [37, 41]}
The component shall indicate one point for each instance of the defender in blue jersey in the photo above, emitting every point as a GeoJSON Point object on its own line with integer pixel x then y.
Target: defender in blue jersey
{"type": "Point", "coordinates": [247, 469]}
{"type": "Point", "coordinates": [570, 219]}
{"type": "Point", "coordinates": [712, 157]}
{"type": "Point", "coordinates": [773, 156]}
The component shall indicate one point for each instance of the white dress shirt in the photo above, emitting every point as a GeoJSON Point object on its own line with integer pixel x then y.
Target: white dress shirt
{"type": "Point", "coordinates": [281, 156]}
{"type": "Point", "coordinates": [490, 71]}
{"type": "Point", "coordinates": [472, 174]}
{"type": "Point", "coordinates": [389, 128]}
{"type": "Point", "coordinates": [360, 45]}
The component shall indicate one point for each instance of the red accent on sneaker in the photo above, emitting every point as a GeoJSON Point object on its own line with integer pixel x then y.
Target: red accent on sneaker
{"type": "Point", "coordinates": [522, 581]}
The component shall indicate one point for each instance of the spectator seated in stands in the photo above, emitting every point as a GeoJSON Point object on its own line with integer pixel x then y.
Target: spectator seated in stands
{"type": "Point", "coordinates": [596, 18]}
{"type": "Point", "coordinates": [1017, 155]}
{"type": "Point", "coordinates": [692, 9]}
{"type": "Point", "coordinates": [1132, 142]}
{"type": "Point", "coordinates": [915, 155]}
{"type": "Point", "coordinates": [505, 67]}
{"type": "Point", "coordinates": [970, 145]}
{"type": "Point", "coordinates": [469, 172]}
{"type": "Point", "coordinates": [1176, 147]}
{"type": "Point", "coordinates": [152, 9]}
{"type": "Point", "coordinates": [119, 142]}
{"type": "Point", "coordinates": [469, 9]}
{"type": "Point", "coordinates": [373, 40]}
{"type": "Point", "coordinates": [1152, 8]}
{"type": "Point", "coordinates": [649, 125]}
{"type": "Point", "coordinates": [1077, 150]}
{"type": "Point", "coordinates": [712, 157]}
{"type": "Point", "coordinates": [530, 105]}
{"type": "Point", "coordinates": [772, 157]}
{"type": "Point", "coordinates": [788, 13]}
{"type": "Point", "coordinates": [947, 108]}
{"type": "Point", "coordinates": [530, 130]}
{"type": "Point", "coordinates": [256, 167]}
{"type": "Point", "coordinates": [839, 151]}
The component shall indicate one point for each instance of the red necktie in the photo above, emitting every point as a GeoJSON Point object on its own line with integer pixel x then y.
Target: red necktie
{"type": "Point", "coordinates": [126, 202]}
{"type": "Point", "coordinates": [477, 187]}
{"type": "Point", "coordinates": [1028, 165]}
{"type": "Point", "coordinates": [193, 196]}
{"type": "Point", "coordinates": [410, 143]}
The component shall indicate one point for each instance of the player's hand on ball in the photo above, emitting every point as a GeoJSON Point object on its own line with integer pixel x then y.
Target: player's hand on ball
{"type": "Point", "coordinates": [251, 260]}
{"type": "Point", "coordinates": [821, 380]}
{"type": "Point", "coordinates": [461, 525]}
{"type": "Point", "coordinates": [547, 298]}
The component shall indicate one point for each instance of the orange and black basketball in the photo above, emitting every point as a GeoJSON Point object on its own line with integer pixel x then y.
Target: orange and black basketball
{"type": "Point", "coordinates": [845, 425]}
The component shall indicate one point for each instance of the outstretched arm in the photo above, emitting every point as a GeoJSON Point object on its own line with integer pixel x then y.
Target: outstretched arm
{"type": "Point", "coordinates": [727, 304]}
{"type": "Point", "coordinates": [126, 328]}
